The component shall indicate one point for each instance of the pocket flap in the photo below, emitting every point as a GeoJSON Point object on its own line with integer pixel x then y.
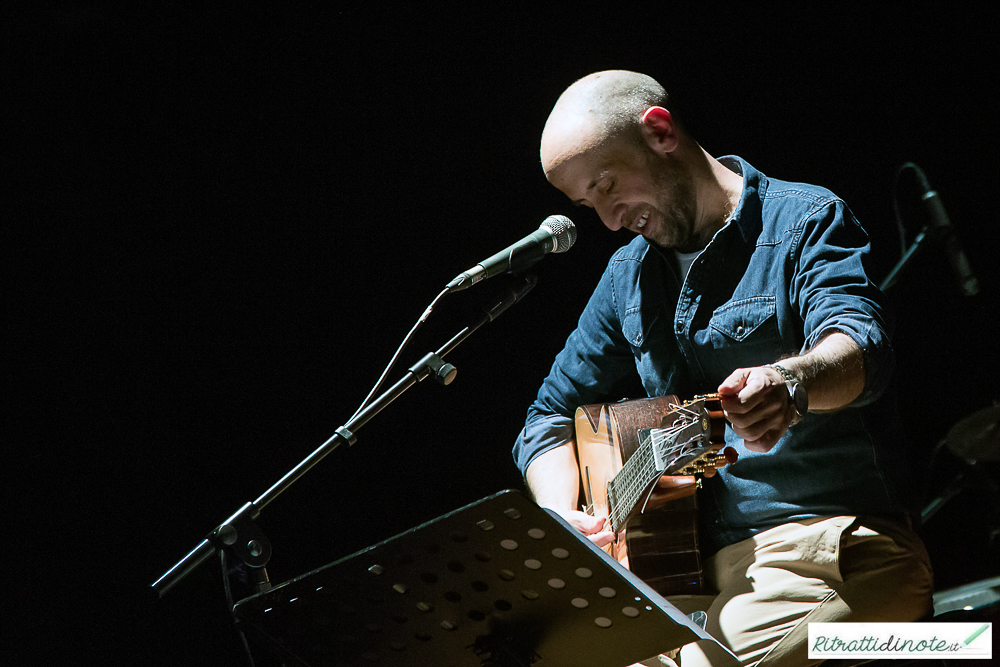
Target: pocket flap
{"type": "Point", "coordinates": [739, 319]}
{"type": "Point", "coordinates": [632, 328]}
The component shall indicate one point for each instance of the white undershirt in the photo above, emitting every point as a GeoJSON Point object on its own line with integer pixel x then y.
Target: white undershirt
{"type": "Point", "coordinates": [686, 259]}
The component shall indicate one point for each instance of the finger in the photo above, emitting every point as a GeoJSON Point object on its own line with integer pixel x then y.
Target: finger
{"type": "Point", "coordinates": [659, 496]}
{"type": "Point", "coordinates": [734, 383]}
{"type": "Point", "coordinates": [590, 525]}
{"type": "Point", "coordinates": [746, 399]}
{"type": "Point", "coordinates": [760, 412]}
{"type": "Point", "coordinates": [766, 442]}
{"type": "Point", "coordinates": [754, 431]}
{"type": "Point", "coordinates": [602, 538]}
{"type": "Point", "coordinates": [759, 400]}
{"type": "Point", "coordinates": [583, 522]}
{"type": "Point", "coordinates": [673, 481]}
{"type": "Point", "coordinates": [755, 385]}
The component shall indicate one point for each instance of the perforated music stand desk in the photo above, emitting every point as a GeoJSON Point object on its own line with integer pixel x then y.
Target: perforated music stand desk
{"type": "Point", "coordinates": [498, 582]}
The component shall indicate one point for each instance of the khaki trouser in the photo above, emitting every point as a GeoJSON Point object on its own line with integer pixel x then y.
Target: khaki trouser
{"type": "Point", "coordinates": [774, 584]}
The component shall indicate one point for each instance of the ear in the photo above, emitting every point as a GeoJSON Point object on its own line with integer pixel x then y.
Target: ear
{"type": "Point", "coordinates": [660, 130]}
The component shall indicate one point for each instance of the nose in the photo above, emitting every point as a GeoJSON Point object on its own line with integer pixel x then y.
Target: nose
{"type": "Point", "coordinates": [611, 215]}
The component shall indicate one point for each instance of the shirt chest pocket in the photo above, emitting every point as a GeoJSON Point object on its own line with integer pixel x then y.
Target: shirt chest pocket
{"type": "Point", "coordinates": [745, 333]}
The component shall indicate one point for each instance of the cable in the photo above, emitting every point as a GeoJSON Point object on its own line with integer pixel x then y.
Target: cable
{"type": "Point", "coordinates": [901, 229]}
{"type": "Point", "coordinates": [395, 357]}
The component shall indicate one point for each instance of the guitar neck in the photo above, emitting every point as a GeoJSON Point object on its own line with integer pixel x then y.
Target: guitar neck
{"type": "Point", "coordinates": [627, 487]}
{"type": "Point", "coordinates": [680, 444]}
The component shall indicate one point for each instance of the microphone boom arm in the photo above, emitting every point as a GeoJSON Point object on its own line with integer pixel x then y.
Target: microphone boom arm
{"type": "Point", "coordinates": [239, 528]}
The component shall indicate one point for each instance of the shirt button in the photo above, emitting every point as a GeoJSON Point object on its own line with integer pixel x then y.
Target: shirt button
{"type": "Point", "coordinates": [739, 331]}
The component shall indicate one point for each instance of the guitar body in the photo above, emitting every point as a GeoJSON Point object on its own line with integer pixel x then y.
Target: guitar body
{"type": "Point", "coordinates": [657, 542]}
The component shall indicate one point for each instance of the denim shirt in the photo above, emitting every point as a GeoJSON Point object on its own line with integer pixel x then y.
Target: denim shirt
{"type": "Point", "coordinates": [788, 268]}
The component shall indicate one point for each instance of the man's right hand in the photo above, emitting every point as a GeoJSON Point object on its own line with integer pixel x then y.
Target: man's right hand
{"type": "Point", "coordinates": [594, 527]}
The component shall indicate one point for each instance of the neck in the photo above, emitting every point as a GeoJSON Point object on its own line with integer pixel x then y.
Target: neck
{"type": "Point", "coordinates": [719, 191]}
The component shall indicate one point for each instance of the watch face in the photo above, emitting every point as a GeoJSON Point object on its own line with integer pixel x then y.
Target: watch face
{"type": "Point", "coordinates": [800, 399]}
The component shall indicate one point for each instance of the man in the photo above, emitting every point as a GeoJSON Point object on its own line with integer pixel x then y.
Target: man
{"type": "Point", "coordinates": [757, 289]}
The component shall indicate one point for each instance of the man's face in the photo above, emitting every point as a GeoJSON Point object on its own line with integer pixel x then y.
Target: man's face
{"type": "Point", "coordinates": [629, 186]}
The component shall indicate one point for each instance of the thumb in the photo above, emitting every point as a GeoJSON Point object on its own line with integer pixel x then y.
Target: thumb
{"type": "Point", "coordinates": [733, 384]}
{"type": "Point", "coordinates": [591, 524]}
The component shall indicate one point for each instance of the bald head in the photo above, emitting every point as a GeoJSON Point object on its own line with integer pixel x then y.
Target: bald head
{"type": "Point", "coordinates": [598, 107]}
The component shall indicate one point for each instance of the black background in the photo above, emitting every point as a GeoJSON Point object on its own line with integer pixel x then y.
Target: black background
{"type": "Point", "coordinates": [223, 222]}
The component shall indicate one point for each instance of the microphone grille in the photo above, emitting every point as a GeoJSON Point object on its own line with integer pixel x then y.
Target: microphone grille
{"type": "Point", "coordinates": [563, 232]}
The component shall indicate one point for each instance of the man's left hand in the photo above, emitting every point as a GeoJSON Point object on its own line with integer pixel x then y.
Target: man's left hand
{"type": "Point", "coordinates": [755, 401]}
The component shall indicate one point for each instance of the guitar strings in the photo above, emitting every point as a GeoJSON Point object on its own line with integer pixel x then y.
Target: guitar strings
{"type": "Point", "coordinates": [640, 469]}
{"type": "Point", "coordinates": [689, 447]}
{"type": "Point", "coordinates": [678, 450]}
{"type": "Point", "coordinates": [635, 484]}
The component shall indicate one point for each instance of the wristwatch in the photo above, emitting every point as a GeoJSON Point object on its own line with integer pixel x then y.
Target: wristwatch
{"type": "Point", "coordinates": [796, 393]}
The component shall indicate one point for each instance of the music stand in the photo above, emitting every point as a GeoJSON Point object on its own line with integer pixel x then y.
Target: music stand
{"type": "Point", "coordinates": [499, 582]}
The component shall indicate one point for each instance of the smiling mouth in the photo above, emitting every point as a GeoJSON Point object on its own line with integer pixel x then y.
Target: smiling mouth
{"type": "Point", "coordinates": [643, 219]}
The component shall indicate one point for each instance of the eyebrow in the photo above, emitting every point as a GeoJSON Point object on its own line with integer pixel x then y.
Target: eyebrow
{"type": "Point", "coordinates": [590, 186]}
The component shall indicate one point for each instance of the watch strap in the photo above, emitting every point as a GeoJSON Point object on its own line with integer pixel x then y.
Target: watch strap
{"type": "Point", "coordinates": [791, 384]}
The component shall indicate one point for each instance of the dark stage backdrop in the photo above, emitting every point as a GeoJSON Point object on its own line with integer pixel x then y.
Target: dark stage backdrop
{"type": "Point", "coordinates": [223, 222]}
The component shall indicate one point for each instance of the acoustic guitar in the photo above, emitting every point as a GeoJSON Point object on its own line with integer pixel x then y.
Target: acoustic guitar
{"type": "Point", "coordinates": [623, 449]}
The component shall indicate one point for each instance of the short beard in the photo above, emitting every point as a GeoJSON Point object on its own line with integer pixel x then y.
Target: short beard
{"type": "Point", "coordinates": [675, 198]}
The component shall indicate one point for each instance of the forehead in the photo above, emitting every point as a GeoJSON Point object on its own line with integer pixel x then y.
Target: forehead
{"type": "Point", "coordinates": [576, 163]}
{"type": "Point", "coordinates": [566, 136]}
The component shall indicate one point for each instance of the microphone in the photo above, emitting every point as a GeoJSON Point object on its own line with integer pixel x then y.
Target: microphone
{"type": "Point", "coordinates": [556, 234]}
{"type": "Point", "coordinates": [941, 227]}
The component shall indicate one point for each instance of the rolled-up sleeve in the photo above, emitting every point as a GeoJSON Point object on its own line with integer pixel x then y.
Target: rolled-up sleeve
{"type": "Point", "coordinates": [833, 291]}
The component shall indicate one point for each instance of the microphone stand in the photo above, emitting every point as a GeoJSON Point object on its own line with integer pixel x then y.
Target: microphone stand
{"type": "Point", "coordinates": [915, 247]}
{"type": "Point", "coordinates": [241, 536]}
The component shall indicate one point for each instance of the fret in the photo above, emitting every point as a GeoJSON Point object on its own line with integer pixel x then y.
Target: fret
{"type": "Point", "coordinates": [653, 458]}
{"type": "Point", "coordinates": [623, 448]}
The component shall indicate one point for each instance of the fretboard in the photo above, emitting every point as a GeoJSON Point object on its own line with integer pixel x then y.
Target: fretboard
{"type": "Point", "coordinates": [625, 490]}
